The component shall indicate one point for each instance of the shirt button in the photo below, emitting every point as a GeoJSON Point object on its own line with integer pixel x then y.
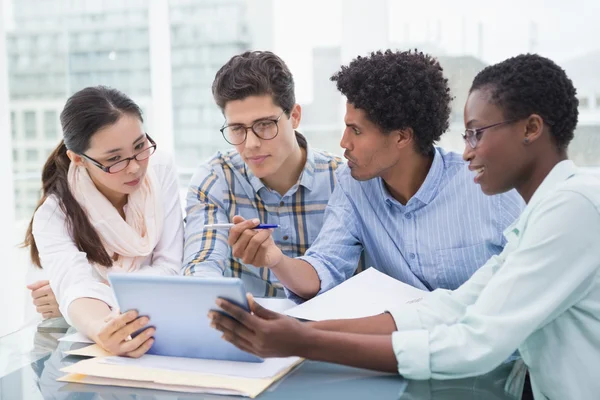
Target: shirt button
{"type": "Point", "coordinates": [408, 216]}
{"type": "Point", "coordinates": [286, 237]}
{"type": "Point", "coordinates": [281, 204]}
{"type": "Point", "coordinates": [412, 256]}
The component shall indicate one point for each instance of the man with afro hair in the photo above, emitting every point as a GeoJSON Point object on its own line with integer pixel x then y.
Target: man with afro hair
{"type": "Point", "coordinates": [412, 207]}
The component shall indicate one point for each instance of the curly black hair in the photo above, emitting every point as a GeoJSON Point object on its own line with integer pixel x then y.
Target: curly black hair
{"type": "Point", "coordinates": [399, 90]}
{"type": "Point", "coordinates": [531, 84]}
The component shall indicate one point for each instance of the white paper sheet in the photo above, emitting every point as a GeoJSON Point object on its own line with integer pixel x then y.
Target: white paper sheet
{"type": "Point", "coordinates": [369, 293]}
{"type": "Point", "coordinates": [267, 369]}
{"type": "Point", "coordinates": [277, 305]}
{"type": "Point", "coordinates": [76, 338]}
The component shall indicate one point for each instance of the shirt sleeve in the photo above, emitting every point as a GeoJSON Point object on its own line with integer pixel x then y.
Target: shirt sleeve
{"type": "Point", "coordinates": [336, 251]}
{"type": "Point", "coordinates": [166, 257]}
{"type": "Point", "coordinates": [498, 308]}
{"type": "Point", "coordinates": [443, 306]}
{"type": "Point", "coordinates": [70, 274]}
{"type": "Point", "coordinates": [206, 252]}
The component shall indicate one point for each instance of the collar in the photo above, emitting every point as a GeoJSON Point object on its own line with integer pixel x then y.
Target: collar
{"type": "Point", "coordinates": [306, 179]}
{"type": "Point", "coordinates": [560, 173]}
{"type": "Point", "coordinates": [430, 186]}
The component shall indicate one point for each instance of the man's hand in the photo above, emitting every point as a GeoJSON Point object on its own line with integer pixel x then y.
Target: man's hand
{"type": "Point", "coordinates": [44, 300]}
{"type": "Point", "coordinates": [254, 247]}
{"type": "Point", "coordinates": [262, 332]}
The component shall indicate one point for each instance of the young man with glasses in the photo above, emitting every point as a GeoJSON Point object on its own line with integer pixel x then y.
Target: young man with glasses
{"type": "Point", "coordinates": [272, 176]}
{"type": "Point", "coordinates": [412, 207]}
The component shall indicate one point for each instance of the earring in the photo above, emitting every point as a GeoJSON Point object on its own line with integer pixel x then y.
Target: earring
{"type": "Point", "coordinates": [526, 140]}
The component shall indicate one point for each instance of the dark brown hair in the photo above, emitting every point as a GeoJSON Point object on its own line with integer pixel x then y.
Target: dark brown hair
{"type": "Point", "coordinates": [256, 73]}
{"type": "Point", "coordinates": [85, 113]}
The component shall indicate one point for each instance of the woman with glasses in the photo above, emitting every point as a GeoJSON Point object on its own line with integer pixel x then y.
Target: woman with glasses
{"type": "Point", "coordinates": [109, 204]}
{"type": "Point", "coordinates": [541, 295]}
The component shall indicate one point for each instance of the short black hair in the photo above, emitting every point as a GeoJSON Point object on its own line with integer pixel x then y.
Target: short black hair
{"type": "Point", "coordinates": [531, 84]}
{"type": "Point", "coordinates": [399, 90]}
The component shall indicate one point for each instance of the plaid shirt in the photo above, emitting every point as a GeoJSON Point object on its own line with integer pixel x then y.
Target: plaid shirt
{"type": "Point", "coordinates": [225, 187]}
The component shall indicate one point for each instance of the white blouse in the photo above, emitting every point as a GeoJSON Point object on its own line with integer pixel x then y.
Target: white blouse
{"type": "Point", "coordinates": [70, 274]}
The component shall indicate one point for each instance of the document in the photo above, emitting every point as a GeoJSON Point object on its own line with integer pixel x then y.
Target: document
{"type": "Point", "coordinates": [267, 369]}
{"type": "Point", "coordinates": [100, 372]}
{"type": "Point", "coordinates": [369, 293]}
{"type": "Point", "coordinates": [275, 304]}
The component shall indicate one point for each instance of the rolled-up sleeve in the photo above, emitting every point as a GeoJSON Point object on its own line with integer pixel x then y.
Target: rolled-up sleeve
{"type": "Point", "coordinates": [335, 254]}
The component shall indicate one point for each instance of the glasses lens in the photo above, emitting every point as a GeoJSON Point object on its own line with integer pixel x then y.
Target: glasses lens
{"type": "Point", "coordinates": [235, 134]}
{"type": "Point", "coordinates": [144, 154]}
{"type": "Point", "coordinates": [120, 166]}
{"type": "Point", "coordinates": [266, 129]}
{"type": "Point", "coordinates": [471, 138]}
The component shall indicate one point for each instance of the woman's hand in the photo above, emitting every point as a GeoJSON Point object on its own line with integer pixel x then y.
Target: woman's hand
{"type": "Point", "coordinates": [263, 332]}
{"type": "Point", "coordinates": [44, 300]}
{"type": "Point", "coordinates": [114, 334]}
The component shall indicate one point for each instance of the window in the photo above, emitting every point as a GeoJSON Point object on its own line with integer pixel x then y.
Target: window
{"type": "Point", "coordinates": [29, 124]}
{"type": "Point", "coordinates": [15, 155]}
{"type": "Point", "coordinates": [13, 124]}
{"type": "Point", "coordinates": [597, 101]}
{"type": "Point", "coordinates": [584, 103]}
{"type": "Point", "coordinates": [33, 195]}
{"type": "Point", "coordinates": [31, 155]}
{"type": "Point", "coordinates": [50, 122]}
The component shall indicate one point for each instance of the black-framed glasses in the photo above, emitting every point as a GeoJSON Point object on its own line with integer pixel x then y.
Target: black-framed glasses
{"type": "Point", "coordinates": [122, 164]}
{"type": "Point", "coordinates": [473, 135]}
{"type": "Point", "coordinates": [265, 129]}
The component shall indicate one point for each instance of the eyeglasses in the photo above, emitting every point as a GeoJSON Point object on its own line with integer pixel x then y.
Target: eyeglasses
{"type": "Point", "coordinates": [122, 164]}
{"type": "Point", "coordinates": [473, 135]}
{"type": "Point", "coordinates": [265, 129]}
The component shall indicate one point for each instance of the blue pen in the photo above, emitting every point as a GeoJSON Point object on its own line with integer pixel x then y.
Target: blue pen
{"type": "Point", "coordinates": [227, 226]}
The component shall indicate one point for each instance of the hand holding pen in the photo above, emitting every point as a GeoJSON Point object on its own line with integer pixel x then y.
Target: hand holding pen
{"type": "Point", "coordinates": [253, 243]}
{"type": "Point", "coordinates": [227, 226]}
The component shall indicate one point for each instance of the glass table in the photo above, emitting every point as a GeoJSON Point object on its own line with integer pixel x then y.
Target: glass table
{"type": "Point", "coordinates": [30, 363]}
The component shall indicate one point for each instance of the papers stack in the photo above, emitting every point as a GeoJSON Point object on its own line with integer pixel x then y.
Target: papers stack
{"type": "Point", "coordinates": [178, 374]}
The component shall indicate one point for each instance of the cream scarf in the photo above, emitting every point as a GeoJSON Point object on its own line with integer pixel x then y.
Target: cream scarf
{"type": "Point", "coordinates": [132, 239]}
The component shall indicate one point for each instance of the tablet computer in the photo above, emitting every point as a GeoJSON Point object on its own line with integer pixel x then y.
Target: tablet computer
{"type": "Point", "coordinates": [178, 308]}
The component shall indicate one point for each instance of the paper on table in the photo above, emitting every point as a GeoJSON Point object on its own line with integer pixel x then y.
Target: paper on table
{"type": "Point", "coordinates": [76, 337]}
{"type": "Point", "coordinates": [170, 379]}
{"type": "Point", "coordinates": [369, 293]}
{"type": "Point", "coordinates": [96, 380]}
{"type": "Point", "coordinates": [275, 304]}
{"type": "Point", "coordinates": [89, 351]}
{"type": "Point", "coordinates": [267, 369]}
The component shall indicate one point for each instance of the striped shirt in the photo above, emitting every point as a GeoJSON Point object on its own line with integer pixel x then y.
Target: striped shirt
{"type": "Point", "coordinates": [443, 234]}
{"type": "Point", "coordinates": [225, 187]}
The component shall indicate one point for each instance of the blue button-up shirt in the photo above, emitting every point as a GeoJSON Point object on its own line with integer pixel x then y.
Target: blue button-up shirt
{"type": "Point", "coordinates": [443, 234]}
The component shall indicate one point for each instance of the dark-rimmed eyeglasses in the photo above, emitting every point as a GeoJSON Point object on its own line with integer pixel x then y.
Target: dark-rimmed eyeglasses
{"type": "Point", "coordinates": [122, 164]}
{"type": "Point", "coordinates": [473, 135]}
{"type": "Point", "coordinates": [265, 129]}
